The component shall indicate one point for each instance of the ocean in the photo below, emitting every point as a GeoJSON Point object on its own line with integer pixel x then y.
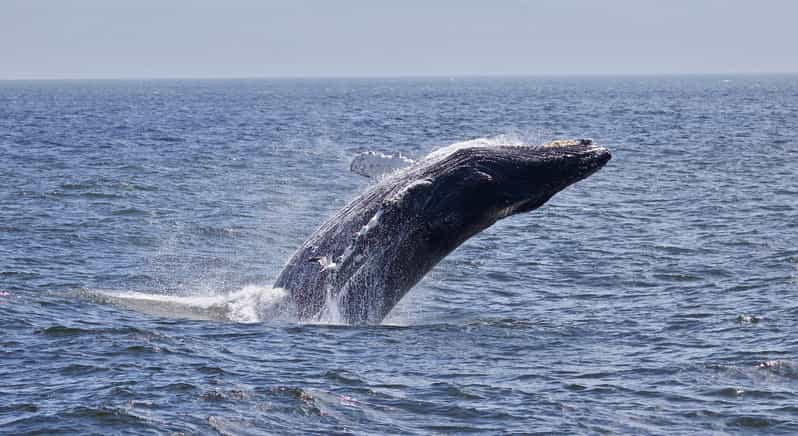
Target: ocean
{"type": "Point", "coordinates": [658, 296]}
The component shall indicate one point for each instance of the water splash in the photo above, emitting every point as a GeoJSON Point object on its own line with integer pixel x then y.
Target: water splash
{"type": "Point", "coordinates": [250, 304]}
{"type": "Point", "coordinates": [187, 289]}
{"type": "Point", "coordinates": [488, 141]}
{"type": "Point", "coordinates": [331, 312]}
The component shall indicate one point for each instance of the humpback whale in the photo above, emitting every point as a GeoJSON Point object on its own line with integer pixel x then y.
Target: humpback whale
{"type": "Point", "coordinates": [368, 255]}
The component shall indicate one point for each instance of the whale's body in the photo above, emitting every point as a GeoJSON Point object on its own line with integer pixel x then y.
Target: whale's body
{"type": "Point", "coordinates": [368, 255]}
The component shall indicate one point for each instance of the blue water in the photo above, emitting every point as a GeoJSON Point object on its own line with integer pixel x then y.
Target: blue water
{"type": "Point", "coordinates": [657, 296]}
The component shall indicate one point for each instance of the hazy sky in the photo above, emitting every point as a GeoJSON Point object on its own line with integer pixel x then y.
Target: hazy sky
{"type": "Point", "coordinates": [240, 38]}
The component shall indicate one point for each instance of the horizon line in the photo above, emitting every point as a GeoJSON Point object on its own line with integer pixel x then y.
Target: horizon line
{"type": "Point", "coordinates": [400, 76]}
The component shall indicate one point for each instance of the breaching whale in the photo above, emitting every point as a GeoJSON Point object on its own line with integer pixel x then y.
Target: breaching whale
{"type": "Point", "coordinates": [368, 255]}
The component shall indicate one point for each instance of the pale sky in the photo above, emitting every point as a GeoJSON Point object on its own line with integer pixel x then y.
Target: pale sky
{"type": "Point", "coordinates": [250, 38]}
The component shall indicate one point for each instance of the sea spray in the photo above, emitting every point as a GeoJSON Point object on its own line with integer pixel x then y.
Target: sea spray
{"type": "Point", "coordinates": [250, 304]}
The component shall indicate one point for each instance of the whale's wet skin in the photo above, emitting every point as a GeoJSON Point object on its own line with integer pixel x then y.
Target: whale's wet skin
{"type": "Point", "coordinates": [143, 224]}
{"type": "Point", "coordinates": [365, 258]}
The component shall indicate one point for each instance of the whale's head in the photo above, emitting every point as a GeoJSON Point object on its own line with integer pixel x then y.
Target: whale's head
{"type": "Point", "coordinates": [473, 187]}
{"type": "Point", "coordinates": [523, 178]}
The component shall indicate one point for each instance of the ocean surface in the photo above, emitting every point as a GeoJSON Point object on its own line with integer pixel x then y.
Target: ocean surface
{"type": "Point", "coordinates": [657, 296]}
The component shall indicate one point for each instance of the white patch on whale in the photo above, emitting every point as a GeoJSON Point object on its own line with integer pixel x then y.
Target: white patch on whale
{"type": "Point", "coordinates": [327, 264]}
{"type": "Point", "coordinates": [373, 222]}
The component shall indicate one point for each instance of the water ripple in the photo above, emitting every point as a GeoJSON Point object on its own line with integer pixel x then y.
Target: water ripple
{"type": "Point", "coordinates": [655, 297]}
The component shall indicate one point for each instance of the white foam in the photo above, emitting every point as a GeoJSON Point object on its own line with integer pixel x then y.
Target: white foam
{"type": "Point", "coordinates": [331, 313]}
{"type": "Point", "coordinates": [492, 141]}
{"type": "Point", "coordinates": [250, 304]}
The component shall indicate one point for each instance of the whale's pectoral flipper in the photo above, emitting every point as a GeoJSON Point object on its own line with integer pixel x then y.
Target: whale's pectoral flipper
{"type": "Point", "coordinates": [375, 165]}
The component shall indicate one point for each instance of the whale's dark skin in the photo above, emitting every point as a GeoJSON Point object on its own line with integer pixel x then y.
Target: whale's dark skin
{"type": "Point", "coordinates": [368, 255]}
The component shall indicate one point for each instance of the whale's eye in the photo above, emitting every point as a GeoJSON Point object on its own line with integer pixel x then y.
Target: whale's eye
{"type": "Point", "coordinates": [473, 176]}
